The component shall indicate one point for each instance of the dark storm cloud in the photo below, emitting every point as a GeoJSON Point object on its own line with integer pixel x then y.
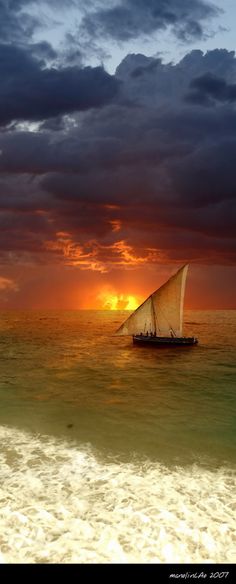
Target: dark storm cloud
{"type": "Point", "coordinates": [145, 69]}
{"type": "Point", "coordinates": [209, 88]}
{"type": "Point", "coordinates": [174, 158]}
{"type": "Point", "coordinates": [128, 19]}
{"type": "Point", "coordinates": [42, 51]}
{"type": "Point", "coordinates": [148, 170]}
{"type": "Point", "coordinates": [207, 176]}
{"type": "Point", "coordinates": [29, 91]}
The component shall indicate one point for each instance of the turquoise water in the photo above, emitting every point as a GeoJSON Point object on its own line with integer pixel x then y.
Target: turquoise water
{"type": "Point", "coordinates": [135, 445]}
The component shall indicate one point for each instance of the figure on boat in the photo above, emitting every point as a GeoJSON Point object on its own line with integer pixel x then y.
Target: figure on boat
{"type": "Point", "coordinates": [159, 319]}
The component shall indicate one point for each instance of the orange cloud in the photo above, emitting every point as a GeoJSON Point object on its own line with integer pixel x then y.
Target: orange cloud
{"type": "Point", "coordinates": [76, 254]}
{"type": "Point", "coordinates": [95, 256]}
{"type": "Point", "coordinates": [116, 225]}
{"type": "Point", "coordinates": [111, 207]}
{"type": "Point", "coordinates": [8, 284]}
{"type": "Point", "coordinates": [127, 254]}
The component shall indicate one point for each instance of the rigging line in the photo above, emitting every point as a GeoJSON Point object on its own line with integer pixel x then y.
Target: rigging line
{"type": "Point", "coordinates": [154, 316]}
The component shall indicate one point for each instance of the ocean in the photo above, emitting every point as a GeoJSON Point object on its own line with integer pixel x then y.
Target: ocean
{"type": "Point", "coordinates": [113, 453]}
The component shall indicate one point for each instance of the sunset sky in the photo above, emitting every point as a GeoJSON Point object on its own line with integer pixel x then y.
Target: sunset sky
{"type": "Point", "coordinates": [117, 151]}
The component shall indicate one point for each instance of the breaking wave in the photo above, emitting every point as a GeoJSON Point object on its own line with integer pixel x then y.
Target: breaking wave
{"type": "Point", "coordinates": [61, 503]}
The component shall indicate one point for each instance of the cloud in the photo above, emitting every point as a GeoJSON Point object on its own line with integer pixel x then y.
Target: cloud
{"type": "Point", "coordinates": [20, 19]}
{"type": "Point", "coordinates": [208, 89]}
{"type": "Point", "coordinates": [97, 256]}
{"type": "Point", "coordinates": [15, 22]}
{"type": "Point", "coordinates": [129, 19]}
{"type": "Point", "coordinates": [30, 91]}
{"type": "Point", "coordinates": [7, 284]}
{"type": "Point", "coordinates": [144, 179]}
{"type": "Point", "coordinates": [209, 173]}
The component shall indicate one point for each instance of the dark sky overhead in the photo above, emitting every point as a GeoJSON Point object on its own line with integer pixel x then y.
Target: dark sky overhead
{"type": "Point", "coordinates": [112, 175]}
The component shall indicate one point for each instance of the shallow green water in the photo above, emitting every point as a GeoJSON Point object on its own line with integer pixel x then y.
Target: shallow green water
{"type": "Point", "coordinates": [64, 374]}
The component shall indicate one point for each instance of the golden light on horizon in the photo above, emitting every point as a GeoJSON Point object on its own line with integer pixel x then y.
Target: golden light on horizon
{"type": "Point", "coordinates": [113, 301]}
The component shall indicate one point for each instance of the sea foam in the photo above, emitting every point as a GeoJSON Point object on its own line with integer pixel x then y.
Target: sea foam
{"type": "Point", "coordinates": [61, 503]}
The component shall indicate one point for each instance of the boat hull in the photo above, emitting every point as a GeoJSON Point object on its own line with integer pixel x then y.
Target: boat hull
{"type": "Point", "coordinates": [164, 341]}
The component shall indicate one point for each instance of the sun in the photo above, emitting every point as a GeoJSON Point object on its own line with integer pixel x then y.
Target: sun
{"type": "Point", "coordinates": [132, 303]}
{"type": "Point", "coordinates": [110, 301]}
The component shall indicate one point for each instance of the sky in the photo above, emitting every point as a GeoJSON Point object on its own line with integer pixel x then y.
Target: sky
{"type": "Point", "coordinates": [117, 151]}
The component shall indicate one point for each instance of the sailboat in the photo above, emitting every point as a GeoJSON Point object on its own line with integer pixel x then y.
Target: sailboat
{"type": "Point", "coordinates": [159, 319]}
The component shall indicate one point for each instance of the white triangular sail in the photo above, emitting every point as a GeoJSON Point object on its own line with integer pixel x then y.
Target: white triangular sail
{"type": "Point", "coordinates": [162, 312]}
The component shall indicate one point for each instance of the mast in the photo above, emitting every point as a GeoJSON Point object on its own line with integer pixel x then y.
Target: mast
{"type": "Point", "coordinates": [154, 317]}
